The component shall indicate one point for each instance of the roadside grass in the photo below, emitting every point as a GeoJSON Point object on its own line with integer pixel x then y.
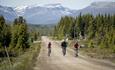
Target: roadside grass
{"type": "Point", "coordinates": [24, 61]}
{"type": "Point", "coordinates": [96, 52]}
{"type": "Point", "coordinates": [87, 48]}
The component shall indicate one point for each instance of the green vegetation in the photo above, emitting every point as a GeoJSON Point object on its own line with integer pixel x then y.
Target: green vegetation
{"type": "Point", "coordinates": [17, 40]}
{"type": "Point", "coordinates": [14, 37]}
{"type": "Point", "coordinates": [19, 35]}
{"type": "Point", "coordinates": [96, 32]}
{"type": "Point", "coordinates": [24, 61]}
{"type": "Point", "coordinates": [99, 30]}
{"type": "Point", "coordinates": [44, 30]}
{"type": "Point", "coordinates": [99, 53]}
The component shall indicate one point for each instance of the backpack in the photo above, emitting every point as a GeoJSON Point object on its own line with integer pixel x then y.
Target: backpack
{"type": "Point", "coordinates": [76, 45]}
{"type": "Point", "coordinates": [64, 44]}
{"type": "Point", "coordinates": [49, 45]}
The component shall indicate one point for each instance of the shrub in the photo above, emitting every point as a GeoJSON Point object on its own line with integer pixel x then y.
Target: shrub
{"type": "Point", "coordinates": [91, 44]}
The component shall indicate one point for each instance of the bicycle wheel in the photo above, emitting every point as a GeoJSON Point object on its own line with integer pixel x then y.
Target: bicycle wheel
{"type": "Point", "coordinates": [64, 51]}
{"type": "Point", "coordinates": [49, 52]}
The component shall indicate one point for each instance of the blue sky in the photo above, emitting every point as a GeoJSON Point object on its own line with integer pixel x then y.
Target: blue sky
{"type": "Point", "coordinates": [73, 4]}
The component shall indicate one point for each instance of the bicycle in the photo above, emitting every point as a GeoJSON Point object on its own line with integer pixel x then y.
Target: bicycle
{"type": "Point", "coordinates": [64, 51]}
{"type": "Point", "coordinates": [49, 51]}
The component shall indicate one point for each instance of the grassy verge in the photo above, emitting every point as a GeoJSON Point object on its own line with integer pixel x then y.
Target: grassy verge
{"type": "Point", "coordinates": [96, 52]}
{"type": "Point", "coordinates": [22, 62]}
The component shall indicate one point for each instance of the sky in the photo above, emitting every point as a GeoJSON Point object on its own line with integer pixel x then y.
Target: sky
{"type": "Point", "coordinates": [72, 4]}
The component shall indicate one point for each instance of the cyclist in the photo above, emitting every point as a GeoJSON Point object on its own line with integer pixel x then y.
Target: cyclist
{"type": "Point", "coordinates": [49, 48]}
{"type": "Point", "coordinates": [64, 46]}
{"type": "Point", "coordinates": [76, 46]}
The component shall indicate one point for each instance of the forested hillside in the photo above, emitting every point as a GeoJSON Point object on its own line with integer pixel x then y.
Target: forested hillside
{"type": "Point", "coordinates": [98, 30]}
{"type": "Point", "coordinates": [44, 29]}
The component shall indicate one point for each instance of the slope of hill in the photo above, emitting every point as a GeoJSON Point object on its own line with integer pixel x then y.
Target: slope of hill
{"type": "Point", "coordinates": [8, 13]}
{"type": "Point", "coordinates": [99, 8]}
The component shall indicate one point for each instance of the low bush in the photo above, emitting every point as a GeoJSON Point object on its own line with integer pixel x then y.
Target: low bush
{"type": "Point", "coordinates": [24, 61]}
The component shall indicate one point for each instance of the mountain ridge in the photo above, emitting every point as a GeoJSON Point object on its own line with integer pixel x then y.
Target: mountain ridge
{"type": "Point", "coordinates": [8, 13]}
{"type": "Point", "coordinates": [51, 13]}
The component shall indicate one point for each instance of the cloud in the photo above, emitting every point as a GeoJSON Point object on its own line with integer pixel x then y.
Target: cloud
{"type": "Point", "coordinates": [60, 1]}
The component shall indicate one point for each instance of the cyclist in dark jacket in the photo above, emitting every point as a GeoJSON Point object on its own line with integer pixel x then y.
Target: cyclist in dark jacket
{"type": "Point", "coordinates": [64, 46]}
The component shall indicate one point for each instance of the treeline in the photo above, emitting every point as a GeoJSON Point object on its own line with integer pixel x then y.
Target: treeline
{"type": "Point", "coordinates": [34, 35]}
{"type": "Point", "coordinates": [16, 37]}
{"type": "Point", "coordinates": [98, 29]}
{"type": "Point", "coordinates": [44, 29]}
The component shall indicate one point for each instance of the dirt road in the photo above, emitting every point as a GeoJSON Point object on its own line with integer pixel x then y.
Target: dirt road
{"type": "Point", "coordinates": [59, 62]}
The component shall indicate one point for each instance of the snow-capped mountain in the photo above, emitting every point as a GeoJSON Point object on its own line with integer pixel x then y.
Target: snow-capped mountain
{"type": "Point", "coordinates": [51, 13]}
{"type": "Point", "coordinates": [57, 5]}
{"type": "Point", "coordinates": [20, 10]}
{"type": "Point", "coordinates": [45, 14]}
{"type": "Point", "coordinates": [99, 8]}
{"type": "Point", "coordinates": [8, 13]}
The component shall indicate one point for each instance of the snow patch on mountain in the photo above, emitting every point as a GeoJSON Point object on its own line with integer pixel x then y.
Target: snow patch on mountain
{"type": "Point", "coordinates": [8, 13]}
{"type": "Point", "coordinates": [20, 10]}
{"type": "Point", "coordinates": [57, 5]}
